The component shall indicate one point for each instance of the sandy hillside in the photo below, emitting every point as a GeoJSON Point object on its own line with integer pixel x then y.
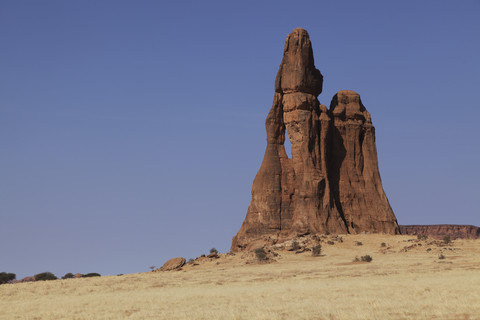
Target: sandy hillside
{"type": "Point", "coordinates": [411, 283]}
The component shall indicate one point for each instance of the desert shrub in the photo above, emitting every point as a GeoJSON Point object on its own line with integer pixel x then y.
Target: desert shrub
{"type": "Point", "coordinates": [447, 239]}
{"type": "Point", "coordinates": [383, 244]}
{"type": "Point", "coordinates": [260, 254]}
{"type": "Point", "coordinates": [5, 277]}
{"type": "Point", "coordinates": [422, 237]}
{"type": "Point", "coordinates": [213, 250]}
{"type": "Point", "coordinates": [90, 275]}
{"type": "Point", "coordinates": [68, 276]}
{"type": "Point", "coordinates": [317, 250]}
{"type": "Point", "coordinates": [44, 276]}
{"type": "Point", "coordinates": [190, 261]}
{"type": "Point", "coordinates": [358, 243]}
{"type": "Point", "coordinates": [366, 258]}
{"type": "Point", "coordinates": [441, 256]}
{"type": "Point", "coordinates": [330, 243]}
{"type": "Point", "coordinates": [295, 245]}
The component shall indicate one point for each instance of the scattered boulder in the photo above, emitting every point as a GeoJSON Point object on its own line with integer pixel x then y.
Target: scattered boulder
{"type": "Point", "coordinates": [408, 248]}
{"type": "Point", "coordinates": [28, 279]}
{"type": "Point", "coordinates": [78, 275]}
{"type": "Point", "coordinates": [173, 264]}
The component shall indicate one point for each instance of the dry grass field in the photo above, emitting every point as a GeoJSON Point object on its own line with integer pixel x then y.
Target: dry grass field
{"type": "Point", "coordinates": [397, 284]}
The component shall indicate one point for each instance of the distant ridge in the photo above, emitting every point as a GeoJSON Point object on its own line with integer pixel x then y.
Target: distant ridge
{"type": "Point", "coordinates": [438, 231]}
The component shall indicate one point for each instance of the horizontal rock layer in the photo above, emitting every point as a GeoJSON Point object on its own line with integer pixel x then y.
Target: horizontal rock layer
{"type": "Point", "coordinates": [439, 231]}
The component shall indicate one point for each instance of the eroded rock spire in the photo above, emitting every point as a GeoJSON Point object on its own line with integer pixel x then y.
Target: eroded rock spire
{"type": "Point", "coordinates": [331, 183]}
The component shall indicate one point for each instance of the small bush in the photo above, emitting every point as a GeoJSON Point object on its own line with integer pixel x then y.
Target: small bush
{"type": "Point", "coordinates": [383, 244]}
{"type": "Point", "coordinates": [68, 276]}
{"type": "Point", "coordinates": [422, 237]}
{"type": "Point", "coordinates": [90, 275]}
{"type": "Point", "coordinates": [44, 276]}
{"type": "Point", "coordinates": [213, 250]}
{"type": "Point", "coordinates": [260, 254]}
{"type": "Point", "coordinates": [366, 258]}
{"type": "Point", "coordinates": [447, 239]}
{"type": "Point", "coordinates": [330, 243]}
{"type": "Point", "coordinates": [190, 261]}
{"type": "Point", "coordinates": [317, 250]}
{"type": "Point", "coordinates": [441, 256]}
{"type": "Point", "coordinates": [5, 277]}
{"type": "Point", "coordinates": [295, 245]}
{"type": "Point", "coordinates": [358, 243]}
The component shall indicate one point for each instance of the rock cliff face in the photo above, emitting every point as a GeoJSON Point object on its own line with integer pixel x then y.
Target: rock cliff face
{"type": "Point", "coordinates": [354, 173]}
{"type": "Point", "coordinates": [441, 230]}
{"type": "Point", "coordinates": [331, 183]}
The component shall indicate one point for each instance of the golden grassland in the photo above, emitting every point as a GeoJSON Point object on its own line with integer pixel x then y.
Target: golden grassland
{"type": "Point", "coordinates": [397, 284]}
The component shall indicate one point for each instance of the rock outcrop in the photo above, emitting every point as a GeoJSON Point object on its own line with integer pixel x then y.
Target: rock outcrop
{"type": "Point", "coordinates": [439, 231]}
{"type": "Point", "coordinates": [26, 279]}
{"type": "Point", "coordinates": [173, 264]}
{"type": "Point", "coordinates": [331, 183]}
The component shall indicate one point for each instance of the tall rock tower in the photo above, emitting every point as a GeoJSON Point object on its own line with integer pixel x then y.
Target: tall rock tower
{"type": "Point", "coordinates": [332, 182]}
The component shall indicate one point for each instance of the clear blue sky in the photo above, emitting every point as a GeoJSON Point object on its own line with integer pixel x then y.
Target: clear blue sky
{"type": "Point", "coordinates": [131, 131]}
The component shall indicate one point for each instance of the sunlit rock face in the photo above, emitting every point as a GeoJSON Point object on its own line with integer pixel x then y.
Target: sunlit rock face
{"type": "Point", "coordinates": [331, 183]}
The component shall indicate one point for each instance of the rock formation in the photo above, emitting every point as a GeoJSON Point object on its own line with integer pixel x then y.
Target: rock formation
{"type": "Point", "coordinates": [26, 279]}
{"type": "Point", "coordinates": [331, 183]}
{"type": "Point", "coordinates": [355, 178]}
{"type": "Point", "coordinates": [173, 264]}
{"type": "Point", "coordinates": [439, 231]}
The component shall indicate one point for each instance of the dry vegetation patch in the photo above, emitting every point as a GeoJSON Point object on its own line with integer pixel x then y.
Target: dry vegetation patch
{"type": "Point", "coordinates": [396, 284]}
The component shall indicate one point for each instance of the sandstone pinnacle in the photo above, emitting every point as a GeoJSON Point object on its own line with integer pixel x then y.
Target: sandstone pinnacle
{"type": "Point", "coordinates": [297, 72]}
{"type": "Point", "coordinates": [331, 183]}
